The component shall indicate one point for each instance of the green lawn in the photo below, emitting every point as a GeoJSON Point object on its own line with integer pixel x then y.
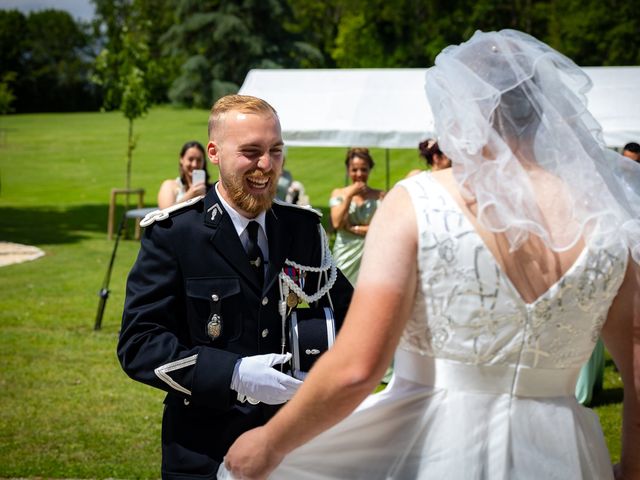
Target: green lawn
{"type": "Point", "coordinates": [67, 408]}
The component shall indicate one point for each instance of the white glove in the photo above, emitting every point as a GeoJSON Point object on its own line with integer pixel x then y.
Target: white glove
{"type": "Point", "coordinates": [223, 473]}
{"type": "Point", "coordinates": [254, 379]}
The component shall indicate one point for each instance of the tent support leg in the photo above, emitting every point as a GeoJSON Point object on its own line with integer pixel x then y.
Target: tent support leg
{"type": "Point", "coordinates": [386, 157]}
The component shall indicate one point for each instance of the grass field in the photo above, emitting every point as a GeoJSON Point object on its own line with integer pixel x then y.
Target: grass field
{"type": "Point", "coordinates": [67, 410]}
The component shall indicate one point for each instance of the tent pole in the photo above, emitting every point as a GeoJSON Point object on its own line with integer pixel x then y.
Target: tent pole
{"type": "Point", "coordinates": [386, 156]}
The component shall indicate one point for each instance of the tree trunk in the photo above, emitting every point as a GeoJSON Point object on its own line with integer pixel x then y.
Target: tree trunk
{"type": "Point", "coordinates": [130, 147]}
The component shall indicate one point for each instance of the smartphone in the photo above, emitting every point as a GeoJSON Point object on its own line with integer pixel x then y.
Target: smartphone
{"type": "Point", "coordinates": [197, 176]}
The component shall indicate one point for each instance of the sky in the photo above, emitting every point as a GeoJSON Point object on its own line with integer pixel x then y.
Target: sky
{"type": "Point", "coordinates": [79, 9]}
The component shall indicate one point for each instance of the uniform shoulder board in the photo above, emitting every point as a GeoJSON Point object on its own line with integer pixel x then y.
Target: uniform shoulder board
{"type": "Point", "coordinates": [163, 214]}
{"type": "Point", "coordinates": [304, 208]}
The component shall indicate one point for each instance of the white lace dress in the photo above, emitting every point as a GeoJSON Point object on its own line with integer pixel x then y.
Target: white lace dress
{"type": "Point", "coordinates": [484, 382]}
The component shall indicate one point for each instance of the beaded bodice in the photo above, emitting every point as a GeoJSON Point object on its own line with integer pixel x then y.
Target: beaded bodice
{"type": "Point", "coordinates": [467, 310]}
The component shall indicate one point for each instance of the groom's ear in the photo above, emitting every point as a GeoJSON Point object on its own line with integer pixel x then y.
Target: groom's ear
{"type": "Point", "coordinates": [213, 152]}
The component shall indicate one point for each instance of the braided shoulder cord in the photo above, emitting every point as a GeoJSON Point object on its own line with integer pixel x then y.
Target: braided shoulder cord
{"type": "Point", "coordinates": [287, 283]}
{"type": "Point", "coordinates": [327, 264]}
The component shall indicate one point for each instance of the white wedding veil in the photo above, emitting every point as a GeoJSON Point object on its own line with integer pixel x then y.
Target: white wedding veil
{"type": "Point", "coordinates": [508, 107]}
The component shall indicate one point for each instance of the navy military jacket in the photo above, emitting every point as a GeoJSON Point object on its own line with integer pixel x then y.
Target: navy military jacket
{"type": "Point", "coordinates": [190, 266]}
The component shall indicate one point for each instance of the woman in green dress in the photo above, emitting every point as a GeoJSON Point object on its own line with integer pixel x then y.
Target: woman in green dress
{"type": "Point", "coordinates": [591, 375]}
{"type": "Point", "coordinates": [352, 208]}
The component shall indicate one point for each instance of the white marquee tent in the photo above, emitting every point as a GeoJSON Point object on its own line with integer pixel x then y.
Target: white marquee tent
{"type": "Point", "coordinates": [388, 107]}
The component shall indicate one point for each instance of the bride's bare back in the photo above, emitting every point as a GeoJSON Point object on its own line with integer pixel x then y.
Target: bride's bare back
{"type": "Point", "coordinates": [533, 268]}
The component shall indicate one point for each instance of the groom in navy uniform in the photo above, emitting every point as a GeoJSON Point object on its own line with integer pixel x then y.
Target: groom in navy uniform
{"type": "Point", "coordinates": [201, 318]}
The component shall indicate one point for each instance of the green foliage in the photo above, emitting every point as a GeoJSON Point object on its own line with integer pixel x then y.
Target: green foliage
{"type": "Point", "coordinates": [198, 50]}
{"type": "Point", "coordinates": [220, 42]}
{"type": "Point", "coordinates": [13, 28]}
{"type": "Point", "coordinates": [398, 33]}
{"type": "Point", "coordinates": [6, 94]}
{"type": "Point", "coordinates": [598, 32]}
{"type": "Point", "coordinates": [49, 54]}
{"type": "Point", "coordinates": [410, 33]}
{"type": "Point", "coordinates": [137, 26]}
{"type": "Point", "coordinates": [159, 16]}
{"type": "Point", "coordinates": [68, 410]}
{"type": "Point", "coordinates": [356, 44]}
{"type": "Point", "coordinates": [123, 68]}
{"type": "Point", "coordinates": [317, 22]}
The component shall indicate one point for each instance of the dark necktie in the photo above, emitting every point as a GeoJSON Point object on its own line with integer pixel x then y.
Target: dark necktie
{"type": "Point", "coordinates": [256, 259]}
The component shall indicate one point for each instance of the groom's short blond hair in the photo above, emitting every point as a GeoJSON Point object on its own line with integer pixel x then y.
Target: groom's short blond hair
{"type": "Point", "coordinates": [238, 103]}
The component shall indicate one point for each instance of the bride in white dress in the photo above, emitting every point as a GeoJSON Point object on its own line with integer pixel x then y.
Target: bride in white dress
{"type": "Point", "coordinates": [490, 282]}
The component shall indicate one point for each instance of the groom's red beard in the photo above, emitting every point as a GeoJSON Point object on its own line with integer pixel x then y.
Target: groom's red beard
{"type": "Point", "coordinates": [250, 202]}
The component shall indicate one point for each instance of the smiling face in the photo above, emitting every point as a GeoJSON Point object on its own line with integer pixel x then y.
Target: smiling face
{"type": "Point", "coordinates": [248, 149]}
{"type": "Point", "coordinates": [192, 159]}
{"type": "Point", "coordinates": [358, 170]}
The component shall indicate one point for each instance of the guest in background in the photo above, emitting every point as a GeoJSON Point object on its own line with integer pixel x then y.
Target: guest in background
{"type": "Point", "coordinates": [290, 190]}
{"type": "Point", "coordinates": [352, 209]}
{"type": "Point", "coordinates": [632, 150]}
{"type": "Point", "coordinates": [181, 188]}
{"type": "Point", "coordinates": [284, 182]}
{"type": "Point", "coordinates": [431, 153]}
{"type": "Point", "coordinates": [591, 375]}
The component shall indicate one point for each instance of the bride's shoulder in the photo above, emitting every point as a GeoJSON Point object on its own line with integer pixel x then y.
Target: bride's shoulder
{"type": "Point", "coordinates": [396, 202]}
{"type": "Point", "coordinates": [423, 183]}
{"type": "Point", "coordinates": [445, 179]}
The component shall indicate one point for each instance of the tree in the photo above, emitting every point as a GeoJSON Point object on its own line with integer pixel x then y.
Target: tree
{"type": "Point", "coordinates": [49, 53]}
{"type": "Point", "coordinates": [122, 69]}
{"type": "Point", "coordinates": [379, 34]}
{"type": "Point", "coordinates": [218, 42]}
{"type": "Point", "coordinates": [602, 32]}
{"type": "Point", "coordinates": [382, 33]}
{"type": "Point", "coordinates": [150, 19]}
{"type": "Point", "coordinates": [316, 21]}
{"type": "Point", "coordinates": [59, 63]}
{"type": "Point", "coordinates": [13, 35]}
{"type": "Point", "coordinates": [12, 25]}
{"type": "Point", "coordinates": [159, 16]}
{"type": "Point", "coordinates": [6, 93]}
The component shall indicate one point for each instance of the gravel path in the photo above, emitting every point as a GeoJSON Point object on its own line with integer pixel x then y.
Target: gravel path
{"type": "Point", "coordinates": [11, 253]}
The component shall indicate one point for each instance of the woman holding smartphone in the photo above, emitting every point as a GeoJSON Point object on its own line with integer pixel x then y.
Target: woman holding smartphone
{"type": "Point", "coordinates": [192, 180]}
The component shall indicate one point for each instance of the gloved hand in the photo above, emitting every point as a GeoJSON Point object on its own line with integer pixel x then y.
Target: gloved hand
{"type": "Point", "coordinates": [254, 379]}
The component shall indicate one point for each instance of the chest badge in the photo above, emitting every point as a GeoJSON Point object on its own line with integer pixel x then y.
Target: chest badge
{"type": "Point", "coordinates": [214, 327]}
{"type": "Point", "coordinates": [292, 300]}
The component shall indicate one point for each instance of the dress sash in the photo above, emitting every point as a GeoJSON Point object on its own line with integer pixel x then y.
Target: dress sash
{"type": "Point", "coordinates": [520, 381]}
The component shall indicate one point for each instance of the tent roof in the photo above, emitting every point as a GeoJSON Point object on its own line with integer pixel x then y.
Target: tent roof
{"type": "Point", "coordinates": [614, 101]}
{"type": "Point", "coordinates": [388, 107]}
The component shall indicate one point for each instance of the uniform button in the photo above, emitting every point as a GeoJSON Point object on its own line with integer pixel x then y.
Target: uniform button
{"type": "Point", "coordinates": [265, 300]}
{"type": "Point", "coordinates": [265, 332]}
{"type": "Point", "coordinates": [215, 297]}
{"type": "Point", "coordinates": [186, 401]}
